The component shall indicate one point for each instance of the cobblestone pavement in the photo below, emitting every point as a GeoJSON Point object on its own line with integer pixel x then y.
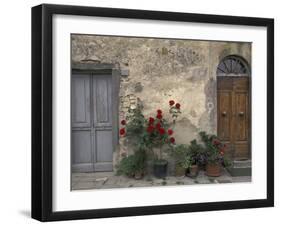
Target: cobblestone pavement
{"type": "Point", "coordinates": [104, 180]}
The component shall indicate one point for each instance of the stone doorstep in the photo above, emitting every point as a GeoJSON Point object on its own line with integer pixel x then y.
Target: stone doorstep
{"type": "Point", "coordinates": [238, 172]}
{"type": "Point", "coordinates": [242, 163]}
{"type": "Point", "coordinates": [241, 168]}
{"type": "Point", "coordinates": [242, 179]}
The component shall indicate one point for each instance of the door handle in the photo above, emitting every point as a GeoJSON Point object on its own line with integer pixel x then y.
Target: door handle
{"type": "Point", "coordinates": [241, 113]}
{"type": "Point", "coordinates": [223, 113]}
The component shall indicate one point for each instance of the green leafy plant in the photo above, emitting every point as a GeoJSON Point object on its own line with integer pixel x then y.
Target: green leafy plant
{"type": "Point", "coordinates": [195, 151]}
{"type": "Point", "coordinates": [126, 166]}
{"type": "Point", "coordinates": [214, 149]}
{"type": "Point", "coordinates": [188, 155]}
{"type": "Point", "coordinates": [134, 128]}
{"type": "Point", "coordinates": [179, 153]}
{"type": "Point", "coordinates": [132, 164]}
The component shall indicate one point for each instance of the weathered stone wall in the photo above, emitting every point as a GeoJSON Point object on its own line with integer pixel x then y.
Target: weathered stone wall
{"type": "Point", "coordinates": [155, 71]}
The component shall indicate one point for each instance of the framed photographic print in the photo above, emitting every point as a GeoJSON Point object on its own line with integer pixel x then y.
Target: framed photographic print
{"type": "Point", "coordinates": [145, 112]}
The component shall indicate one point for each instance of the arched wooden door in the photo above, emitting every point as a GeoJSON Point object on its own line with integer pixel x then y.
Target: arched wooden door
{"type": "Point", "coordinates": [234, 112]}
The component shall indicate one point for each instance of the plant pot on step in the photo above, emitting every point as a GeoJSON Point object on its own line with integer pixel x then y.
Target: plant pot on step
{"type": "Point", "coordinates": [160, 168]}
{"type": "Point", "coordinates": [138, 175]}
{"type": "Point", "coordinates": [179, 171]}
{"type": "Point", "coordinates": [193, 170]}
{"type": "Point", "coordinates": [213, 169]}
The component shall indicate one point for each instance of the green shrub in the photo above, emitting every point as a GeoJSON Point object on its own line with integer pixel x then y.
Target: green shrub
{"type": "Point", "coordinates": [132, 164]}
{"type": "Point", "coordinates": [187, 155]}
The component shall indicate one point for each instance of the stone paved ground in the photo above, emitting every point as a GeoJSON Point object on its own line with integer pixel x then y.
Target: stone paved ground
{"type": "Point", "coordinates": [110, 180]}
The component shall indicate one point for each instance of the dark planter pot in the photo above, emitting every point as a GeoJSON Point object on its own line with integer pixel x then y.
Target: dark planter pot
{"type": "Point", "coordinates": [160, 168]}
{"type": "Point", "coordinates": [213, 169]}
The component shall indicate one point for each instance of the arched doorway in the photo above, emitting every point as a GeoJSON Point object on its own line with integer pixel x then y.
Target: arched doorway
{"type": "Point", "coordinates": [233, 106]}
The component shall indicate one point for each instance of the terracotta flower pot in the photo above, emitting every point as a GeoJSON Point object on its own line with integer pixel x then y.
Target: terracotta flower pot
{"type": "Point", "coordinates": [213, 169]}
{"type": "Point", "coordinates": [138, 175]}
{"type": "Point", "coordinates": [179, 171]}
{"type": "Point", "coordinates": [193, 170]}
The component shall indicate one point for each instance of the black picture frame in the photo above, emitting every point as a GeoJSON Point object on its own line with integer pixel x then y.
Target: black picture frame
{"type": "Point", "coordinates": [42, 107]}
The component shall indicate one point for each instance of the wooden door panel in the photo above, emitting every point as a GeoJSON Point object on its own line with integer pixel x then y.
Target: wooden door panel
{"type": "Point", "coordinates": [81, 140]}
{"type": "Point", "coordinates": [241, 150]}
{"type": "Point", "coordinates": [81, 147]}
{"type": "Point", "coordinates": [92, 140]}
{"type": "Point", "coordinates": [104, 145]}
{"type": "Point", "coordinates": [241, 83]}
{"type": "Point", "coordinates": [233, 115]}
{"type": "Point", "coordinates": [224, 83]}
{"type": "Point", "coordinates": [104, 150]}
{"type": "Point", "coordinates": [82, 159]}
{"type": "Point", "coordinates": [224, 111]}
{"type": "Point", "coordinates": [80, 101]}
{"type": "Point", "coordinates": [241, 114]}
{"type": "Point", "coordinates": [102, 125]}
{"type": "Point", "coordinates": [102, 101]}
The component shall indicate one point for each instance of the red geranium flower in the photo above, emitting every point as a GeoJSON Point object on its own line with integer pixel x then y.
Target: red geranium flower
{"type": "Point", "coordinates": [159, 116]}
{"type": "Point", "coordinates": [158, 125]}
{"type": "Point", "coordinates": [171, 102]}
{"type": "Point", "coordinates": [150, 129]}
{"type": "Point", "coordinates": [216, 142]}
{"type": "Point", "coordinates": [170, 132]}
{"type": "Point", "coordinates": [122, 131]}
{"type": "Point", "coordinates": [172, 140]}
{"type": "Point", "coordinates": [123, 122]}
{"type": "Point", "coordinates": [178, 105]}
{"type": "Point", "coordinates": [161, 131]}
{"type": "Point", "coordinates": [159, 112]}
{"type": "Point", "coordinates": [151, 120]}
{"type": "Point", "coordinates": [222, 151]}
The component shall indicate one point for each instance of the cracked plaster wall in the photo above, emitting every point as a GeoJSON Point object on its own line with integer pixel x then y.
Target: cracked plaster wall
{"type": "Point", "coordinates": [155, 71]}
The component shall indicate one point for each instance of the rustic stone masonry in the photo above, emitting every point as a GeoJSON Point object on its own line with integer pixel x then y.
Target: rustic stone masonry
{"type": "Point", "coordinates": [154, 71]}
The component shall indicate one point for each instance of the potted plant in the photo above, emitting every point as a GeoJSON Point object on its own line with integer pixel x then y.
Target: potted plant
{"type": "Point", "coordinates": [179, 153]}
{"type": "Point", "coordinates": [134, 131]}
{"type": "Point", "coordinates": [158, 135]}
{"type": "Point", "coordinates": [140, 158]}
{"type": "Point", "coordinates": [215, 157]}
{"type": "Point", "coordinates": [187, 158]}
{"type": "Point", "coordinates": [132, 165]}
{"type": "Point", "coordinates": [149, 134]}
{"type": "Point", "coordinates": [194, 153]}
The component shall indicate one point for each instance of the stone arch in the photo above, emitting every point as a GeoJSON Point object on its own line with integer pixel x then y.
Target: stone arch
{"type": "Point", "coordinates": [233, 65]}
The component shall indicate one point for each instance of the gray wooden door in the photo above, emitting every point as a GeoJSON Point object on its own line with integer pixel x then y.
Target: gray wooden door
{"type": "Point", "coordinates": [92, 145]}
